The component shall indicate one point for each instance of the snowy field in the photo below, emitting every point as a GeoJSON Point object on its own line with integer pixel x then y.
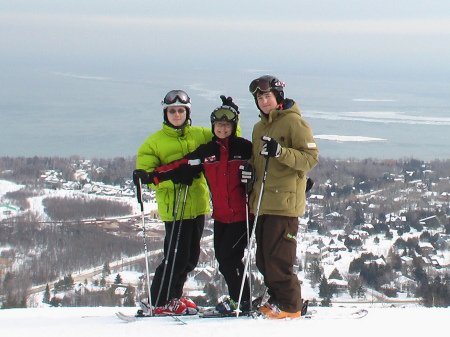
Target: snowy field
{"type": "Point", "coordinates": [80, 322]}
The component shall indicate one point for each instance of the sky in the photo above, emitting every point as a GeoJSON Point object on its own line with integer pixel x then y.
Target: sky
{"type": "Point", "coordinates": [73, 72]}
{"type": "Point", "coordinates": [323, 35]}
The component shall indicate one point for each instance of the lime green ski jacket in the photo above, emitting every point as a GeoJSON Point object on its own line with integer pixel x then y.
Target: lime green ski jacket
{"type": "Point", "coordinates": [165, 146]}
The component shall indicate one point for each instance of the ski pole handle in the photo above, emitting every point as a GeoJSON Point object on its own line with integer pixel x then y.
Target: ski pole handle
{"type": "Point", "coordinates": [139, 194]}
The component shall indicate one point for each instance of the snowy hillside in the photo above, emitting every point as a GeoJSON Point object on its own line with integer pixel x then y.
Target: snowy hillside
{"type": "Point", "coordinates": [339, 259]}
{"type": "Point", "coordinates": [77, 322]}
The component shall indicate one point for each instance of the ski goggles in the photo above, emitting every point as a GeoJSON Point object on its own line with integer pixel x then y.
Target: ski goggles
{"type": "Point", "coordinates": [224, 113]}
{"type": "Point", "coordinates": [259, 84]}
{"type": "Point", "coordinates": [176, 95]}
{"type": "Point", "coordinates": [264, 85]}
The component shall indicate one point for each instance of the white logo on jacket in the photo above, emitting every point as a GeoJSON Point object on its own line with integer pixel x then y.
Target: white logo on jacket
{"type": "Point", "coordinates": [210, 159]}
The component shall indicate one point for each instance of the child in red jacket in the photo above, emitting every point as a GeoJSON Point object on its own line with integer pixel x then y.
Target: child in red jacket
{"type": "Point", "coordinates": [219, 161]}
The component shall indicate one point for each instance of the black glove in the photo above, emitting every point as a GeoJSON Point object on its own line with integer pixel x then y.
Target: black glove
{"type": "Point", "coordinates": [144, 176]}
{"type": "Point", "coordinates": [246, 173]}
{"type": "Point", "coordinates": [229, 102]}
{"type": "Point", "coordinates": [247, 176]}
{"type": "Point", "coordinates": [187, 178]}
{"type": "Point", "coordinates": [309, 184]}
{"type": "Point", "coordinates": [271, 148]}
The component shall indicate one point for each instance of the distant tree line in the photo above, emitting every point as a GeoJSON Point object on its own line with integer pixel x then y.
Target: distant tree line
{"type": "Point", "coordinates": [23, 170]}
{"type": "Point", "coordinates": [346, 175]}
{"type": "Point", "coordinates": [68, 208]}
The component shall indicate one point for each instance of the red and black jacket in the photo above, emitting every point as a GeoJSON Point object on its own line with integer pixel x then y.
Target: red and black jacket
{"type": "Point", "coordinates": [219, 160]}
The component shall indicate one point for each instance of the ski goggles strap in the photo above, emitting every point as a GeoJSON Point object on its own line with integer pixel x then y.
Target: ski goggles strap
{"type": "Point", "coordinates": [176, 95]}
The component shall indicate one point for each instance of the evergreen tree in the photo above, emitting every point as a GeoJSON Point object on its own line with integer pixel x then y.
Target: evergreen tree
{"type": "Point", "coordinates": [324, 288]}
{"type": "Point", "coordinates": [211, 293]}
{"type": "Point", "coordinates": [353, 284]}
{"type": "Point", "coordinates": [13, 294]}
{"type": "Point", "coordinates": [69, 282]}
{"type": "Point", "coordinates": [315, 272]}
{"type": "Point", "coordinates": [436, 294]}
{"type": "Point", "coordinates": [106, 270]}
{"type": "Point", "coordinates": [118, 279]}
{"type": "Point", "coordinates": [46, 298]}
{"type": "Point", "coordinates": [130, 295]}
{"type": "Point", "coordinates": [326, 302]}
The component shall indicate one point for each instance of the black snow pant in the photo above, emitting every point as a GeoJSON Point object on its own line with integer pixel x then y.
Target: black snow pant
{"type": "Point", "coordinates": [186, 259]}
{"type": "Point", "coordinates": [230, 241]}
{"type": "Point", "coordinates": [276, 239]}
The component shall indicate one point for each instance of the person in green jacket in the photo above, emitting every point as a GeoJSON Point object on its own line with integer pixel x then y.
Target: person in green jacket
{"type": "Point", "coordinates": [176, 139]}
{"type": "Point", "coordinates": [284, 139]}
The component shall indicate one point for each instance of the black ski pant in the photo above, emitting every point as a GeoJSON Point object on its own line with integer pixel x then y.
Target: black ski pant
{"type": "Point", "coordinates": [276, 239]}
{"type": "Point", "coordinates": [230, 241]}
{"type": "Point", "coordinates": [186, 259]}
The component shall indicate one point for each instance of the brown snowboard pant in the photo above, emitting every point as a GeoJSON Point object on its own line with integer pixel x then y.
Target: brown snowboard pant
{"type": "Point", "coordinates": [276, 238]}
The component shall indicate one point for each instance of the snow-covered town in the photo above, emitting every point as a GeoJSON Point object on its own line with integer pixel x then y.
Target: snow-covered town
{"type": "Point", "coordinates": [365, 245]}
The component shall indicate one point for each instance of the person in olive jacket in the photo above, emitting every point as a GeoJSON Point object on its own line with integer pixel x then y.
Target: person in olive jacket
{"type": "Point", "coordinates": [284, 139]}
{"type": "Point", "coordinates": [219, 160]}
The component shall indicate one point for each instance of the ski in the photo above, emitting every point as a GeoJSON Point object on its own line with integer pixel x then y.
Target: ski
{"type": "Point", "coordinates": [352, 315]}
{"type": "Point", "coordinates": [211, 313]}
{"type": "Point", "coordinates": [216, 314]}
{"type": "Point", "coordinates": [134, 318]}
{"type": "Point", "coordinates": [308, 315]}
{"type": "Point", "coordinates": [126, 318]}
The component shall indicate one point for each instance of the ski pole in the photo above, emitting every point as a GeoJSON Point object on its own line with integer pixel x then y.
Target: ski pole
{"type": "Point", "coordinates": [247, 220]}
{"type": "Point", "coordinates": [177, 241]}
{"type": "Point", "coordinates": [252, 237]}
{"type": "Point", "coordinates": [166, 258]}
{"type": "Point", "coordinates": [139, 197]}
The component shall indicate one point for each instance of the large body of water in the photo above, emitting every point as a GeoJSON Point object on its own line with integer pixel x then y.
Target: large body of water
{"type": "Point", "coordinates": [48, 113]}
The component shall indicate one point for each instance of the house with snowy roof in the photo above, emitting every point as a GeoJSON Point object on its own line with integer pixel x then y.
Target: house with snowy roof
{"type": "Point", "coordinates": [426, 248]}
{"type": "Point", "coordinates": [317, 251]}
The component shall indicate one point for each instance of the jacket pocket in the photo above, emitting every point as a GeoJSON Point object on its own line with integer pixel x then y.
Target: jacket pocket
{"type": "Point", "coordinates": [275, 200]}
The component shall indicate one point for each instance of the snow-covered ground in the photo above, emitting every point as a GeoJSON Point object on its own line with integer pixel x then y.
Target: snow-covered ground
{"type": "Point", "coordinates": [8, 186]}
{"type": "Point", "coordinates": [339, 260]}
{"type": "Point", "coordinates": [79, 322]}
{"type": "Point", "coordinates": [407, 319]}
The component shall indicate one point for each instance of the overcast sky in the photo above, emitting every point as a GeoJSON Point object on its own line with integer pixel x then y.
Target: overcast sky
{"type": "Point", "coordinates": [101, 62]}
{"type": "Point", "coordinates": [324, 36]}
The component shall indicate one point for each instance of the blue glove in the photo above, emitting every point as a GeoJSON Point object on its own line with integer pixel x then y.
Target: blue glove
{"type": "Point", "coordinates": [271, 148]}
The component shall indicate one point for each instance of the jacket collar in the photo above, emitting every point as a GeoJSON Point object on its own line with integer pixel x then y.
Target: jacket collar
{"type": "Point", "coordinates": [172, 132]}
{"type": "Point", "coordinates": [286, 107]}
